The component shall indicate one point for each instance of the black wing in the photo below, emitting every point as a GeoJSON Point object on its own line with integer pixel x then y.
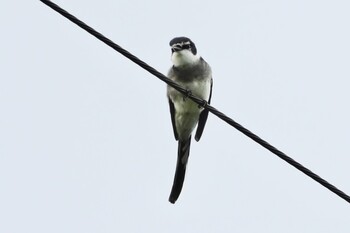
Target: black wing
{"type": "Point", "coordinates": [203, 117]}
{"type": "Point", "coordinates": [172, 114]}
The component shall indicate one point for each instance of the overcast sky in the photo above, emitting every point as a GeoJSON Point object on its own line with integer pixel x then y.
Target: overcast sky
{"type": "Point", "coordinates": [86, 142]}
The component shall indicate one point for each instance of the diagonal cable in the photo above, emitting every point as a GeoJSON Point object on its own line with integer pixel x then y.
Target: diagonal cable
{"type": "Point", "coordinates": [199, 101]}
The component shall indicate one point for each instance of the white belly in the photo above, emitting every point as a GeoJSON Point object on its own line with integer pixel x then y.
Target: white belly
{"type": "Point", "coordinates": [186, 111]}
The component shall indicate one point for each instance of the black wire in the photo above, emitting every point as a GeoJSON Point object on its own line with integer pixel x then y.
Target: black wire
{"type": "Point", "coordinates": [199, 101]}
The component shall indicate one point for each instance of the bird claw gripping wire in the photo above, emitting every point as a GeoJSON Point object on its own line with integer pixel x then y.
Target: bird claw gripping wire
{"type": "Point", "coordinates": [187, 95]}
{"type": "Point", "coordinates": [203, 104]}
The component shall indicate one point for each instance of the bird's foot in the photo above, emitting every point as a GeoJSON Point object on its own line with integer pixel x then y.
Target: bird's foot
{"type": "Point", "coordinates": [188, 93]}
{"type": "Point", "coordinates": [203, 104]}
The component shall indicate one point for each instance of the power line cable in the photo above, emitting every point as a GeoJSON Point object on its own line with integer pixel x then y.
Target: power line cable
{"type": "Point", "coordinates": [199, 101]}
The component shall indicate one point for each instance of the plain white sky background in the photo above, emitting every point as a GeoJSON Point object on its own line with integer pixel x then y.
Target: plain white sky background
{"type": "Point", "coordinates": [86, 143]}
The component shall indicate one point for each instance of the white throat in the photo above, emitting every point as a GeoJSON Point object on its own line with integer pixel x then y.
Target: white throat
{"type": "Point", "coordinates": [184, 58]}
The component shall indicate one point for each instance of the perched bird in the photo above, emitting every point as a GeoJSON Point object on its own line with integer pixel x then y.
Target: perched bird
{"type": "Point", "coordinates": [194, 74]}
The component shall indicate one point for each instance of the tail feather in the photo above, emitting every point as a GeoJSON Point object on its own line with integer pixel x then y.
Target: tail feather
{"type": "Point", "coordinates": [182, 158]}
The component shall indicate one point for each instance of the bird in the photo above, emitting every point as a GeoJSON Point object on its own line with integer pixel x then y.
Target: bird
{"type": "Point", "coordinates": [194, 74]}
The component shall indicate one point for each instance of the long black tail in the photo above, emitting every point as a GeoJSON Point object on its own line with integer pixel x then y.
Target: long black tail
{"type": "Point", "coordinates": [182, 158]}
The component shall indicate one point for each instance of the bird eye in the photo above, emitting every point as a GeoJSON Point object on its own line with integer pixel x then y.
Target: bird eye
{"type": "Point", "coordinates": [186, 46]}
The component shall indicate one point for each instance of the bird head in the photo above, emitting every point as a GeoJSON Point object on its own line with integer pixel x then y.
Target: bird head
{"type": "Point", "coordinates": [183, 51]}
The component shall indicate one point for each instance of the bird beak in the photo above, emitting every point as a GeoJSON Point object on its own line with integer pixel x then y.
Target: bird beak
{"type": "Point", "coordinates": [176, 48]}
